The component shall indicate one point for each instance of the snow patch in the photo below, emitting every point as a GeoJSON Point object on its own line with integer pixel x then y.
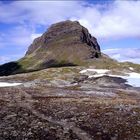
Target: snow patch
{"type": "Point", "coordinates": [99, 71]}
{"type": "Point", "coordinates": [134, 75]}
{"type": "Point", "coordinates": [5, 84]}
{"type": "Point", "coordinates": [133, 78]}
{"type": "Point", "coordinates": [131, 68]}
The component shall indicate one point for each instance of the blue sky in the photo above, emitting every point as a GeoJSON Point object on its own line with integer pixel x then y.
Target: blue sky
{"type": "Point", "coordinates": [115, 24]}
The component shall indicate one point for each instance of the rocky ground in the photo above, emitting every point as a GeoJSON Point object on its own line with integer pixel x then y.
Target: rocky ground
{"type": "Point", "coordinates": [62, 104]}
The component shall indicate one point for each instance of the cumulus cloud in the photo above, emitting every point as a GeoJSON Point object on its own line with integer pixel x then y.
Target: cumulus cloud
{"type": "Point", "coordinates": [17, 36]}
{"type": "Point", "coordinates": [116, 19]}
{"type": "Point", "coordinates": [119, 20]}
{"type": "Point", "coordinates": [132, 54]}
{"type": "Point", "coordinates": [39, 12]}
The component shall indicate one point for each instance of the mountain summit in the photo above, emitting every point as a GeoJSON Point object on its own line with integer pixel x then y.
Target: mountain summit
{"type": "Point", "coordinates": [65, 43]}
{"type": "Point", "coordinates": [66, 35]}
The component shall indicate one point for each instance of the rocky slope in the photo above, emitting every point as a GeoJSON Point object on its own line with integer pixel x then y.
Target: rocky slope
{"type": "Point", "coordinates": [63, 44]}
{"type": "Point", "coordinates": [66, 104]}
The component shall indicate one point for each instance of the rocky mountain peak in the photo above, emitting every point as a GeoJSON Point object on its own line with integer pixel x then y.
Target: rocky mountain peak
{"type": "Point", "coordinates": [65, 43]}
{"type": "Point", "coordinates": [63, 31]}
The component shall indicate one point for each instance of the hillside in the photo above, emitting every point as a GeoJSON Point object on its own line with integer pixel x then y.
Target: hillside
{"type": "Point", "coordinates": [64, 44]}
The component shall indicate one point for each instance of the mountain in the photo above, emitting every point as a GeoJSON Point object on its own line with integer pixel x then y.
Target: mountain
{"type": "Point", "coordinates": [65, 43]}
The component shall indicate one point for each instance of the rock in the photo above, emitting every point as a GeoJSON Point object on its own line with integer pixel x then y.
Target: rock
{"type": "Point", "coordinates": [109, 81]}
{"type": "Point", "coordinates": [60, 83]}
{"type": "Point", "coordinates": [77, 33]}
{"type": "Point", "coordinates": [80, 78]}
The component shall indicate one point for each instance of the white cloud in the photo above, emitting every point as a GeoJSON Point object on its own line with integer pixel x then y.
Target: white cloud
{"type": "Point", "coordinates": [3, 59]}
{"type": "Point", "coordinates": [117, 19]}
{"type": "Point", "coordinates": [8, 58]}
{"type": "Point", "coordinates": [35, 35]}
{"type": "Point", "coordinates": [39, 12]}
{"type": "Point", "coordinates": [124, 54]}
{"type": "Point", "coordinates": [17, 36]}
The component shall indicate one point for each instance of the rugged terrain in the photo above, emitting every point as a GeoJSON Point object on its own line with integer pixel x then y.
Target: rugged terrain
{"type": "Point", "coordinates": [74, 102]}
{"type": "Point", "coordinates": [61, 103]}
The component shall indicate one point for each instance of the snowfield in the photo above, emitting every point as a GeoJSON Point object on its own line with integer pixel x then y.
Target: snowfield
{"type": "Point", "coordinates": [5, 84]}
{"type": "Point", "coordinates": [133, 78]}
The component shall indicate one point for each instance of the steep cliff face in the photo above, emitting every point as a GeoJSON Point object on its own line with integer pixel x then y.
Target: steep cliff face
{"type": "Point", "coordinates": [65, 43]}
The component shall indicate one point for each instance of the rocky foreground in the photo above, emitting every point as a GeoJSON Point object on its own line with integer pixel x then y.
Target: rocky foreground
{"type": "Point", "coordinates": [62, 104]}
